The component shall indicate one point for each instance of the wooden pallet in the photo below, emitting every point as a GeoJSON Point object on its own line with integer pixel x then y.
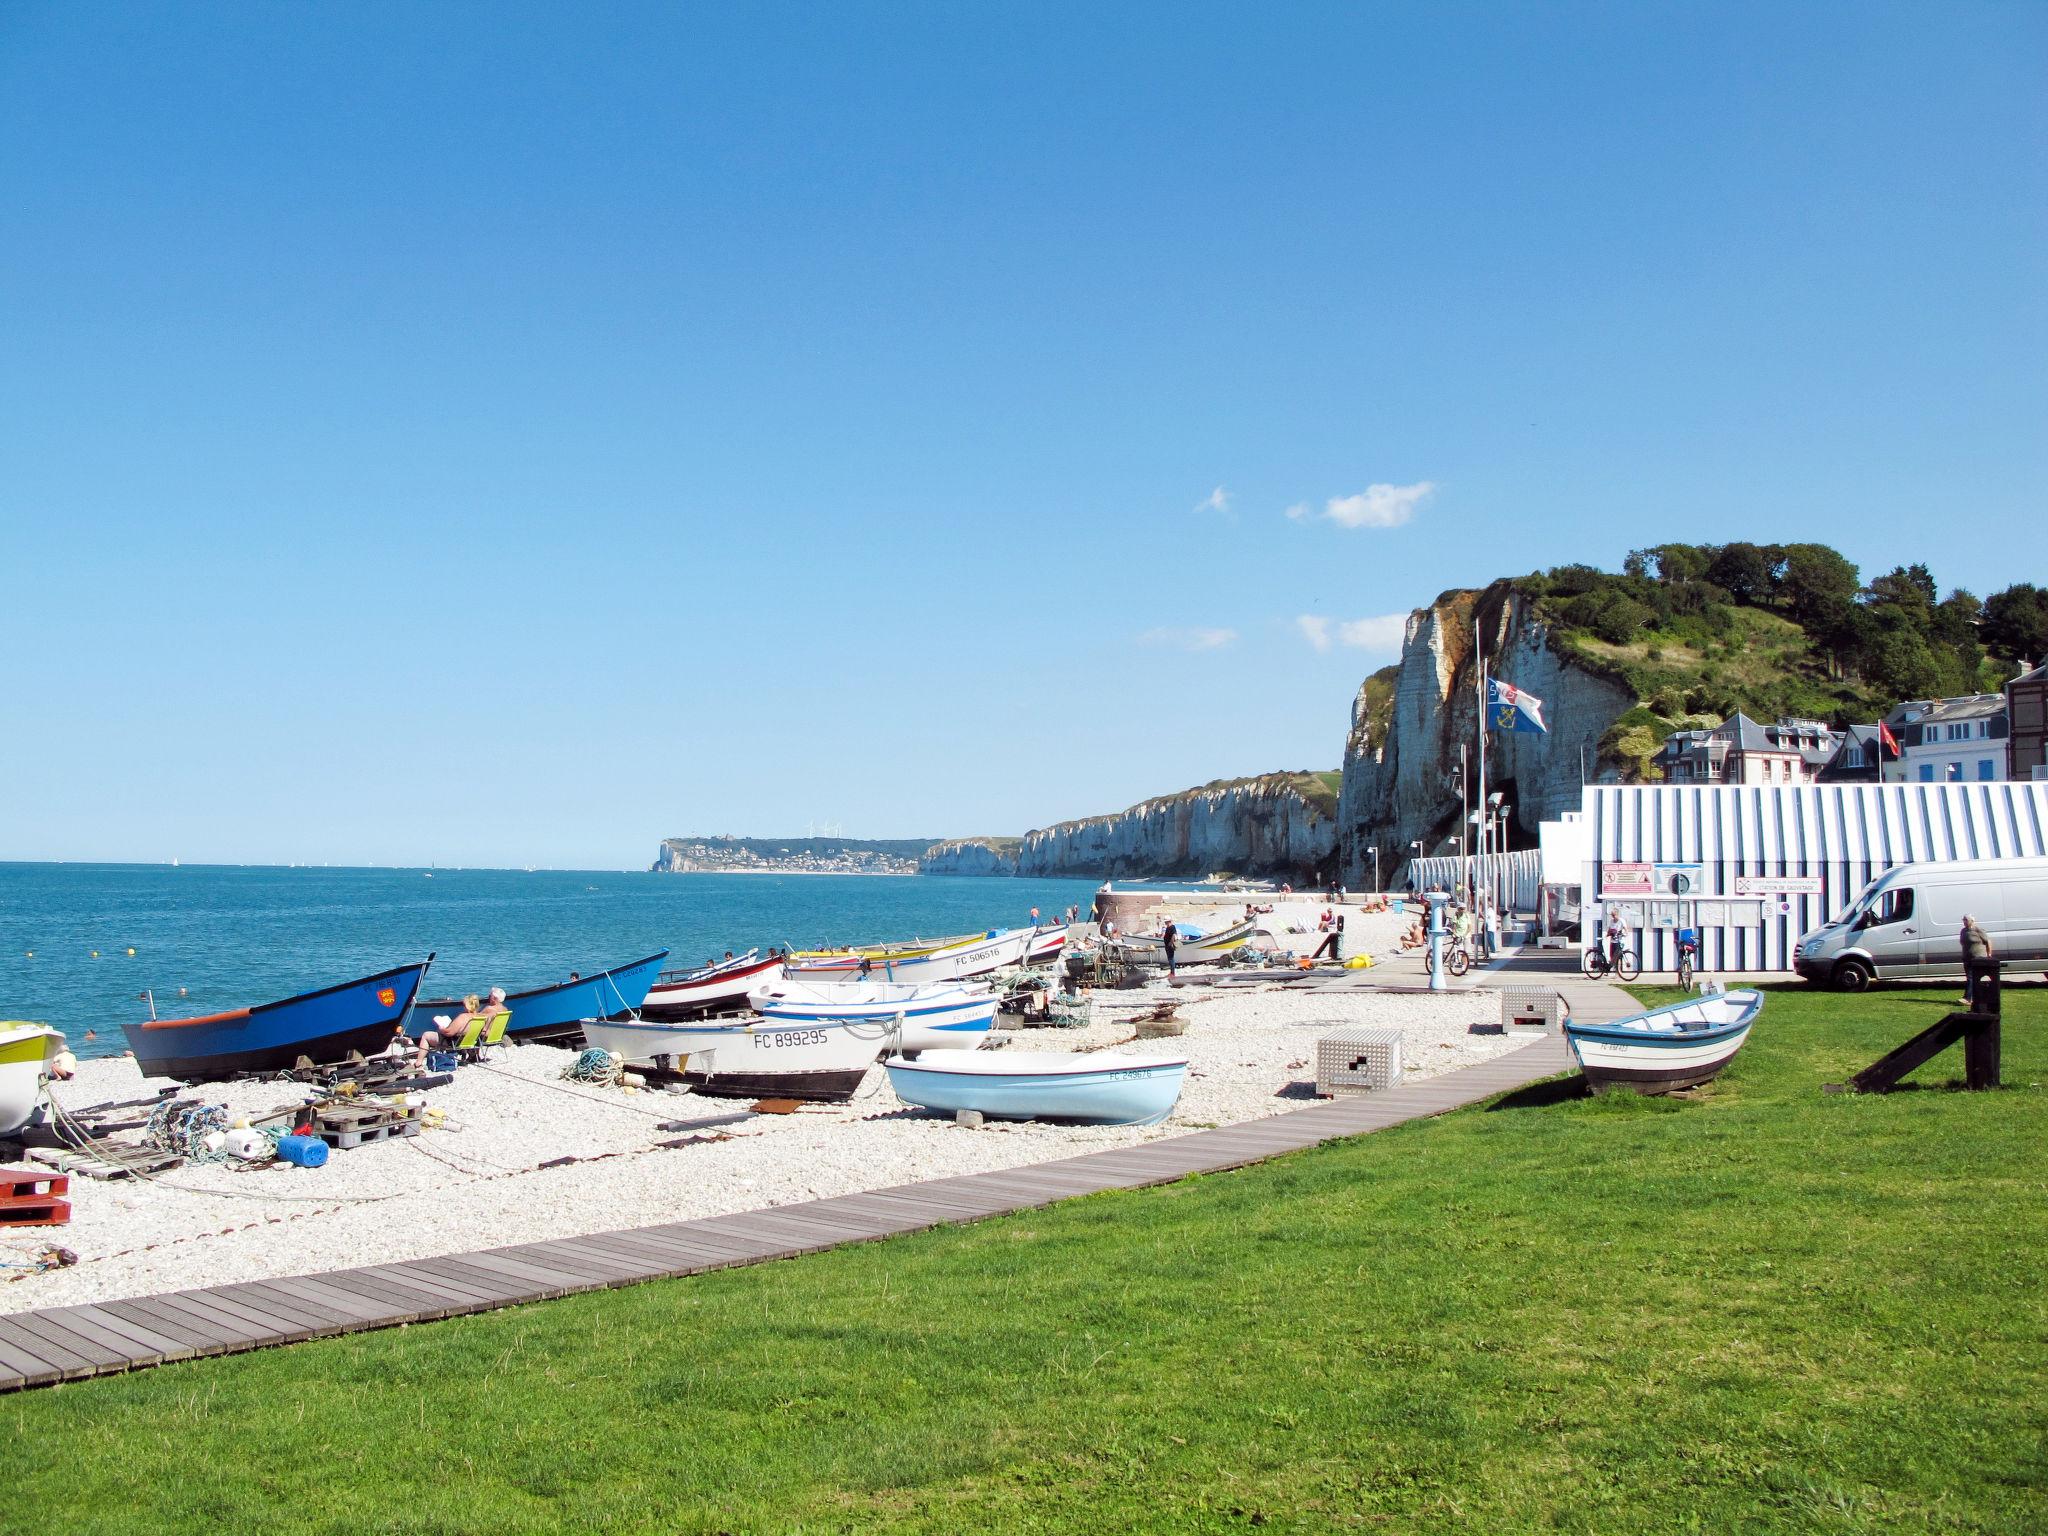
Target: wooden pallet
{"type": "Point", "coordinates": [108, 1161]}
{"type": "Point", "coordinates": [343, 1126]}
{"type": "Point", "coordinates": [34, 1197]}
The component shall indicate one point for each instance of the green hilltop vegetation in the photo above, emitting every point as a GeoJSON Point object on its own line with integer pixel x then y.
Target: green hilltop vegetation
{"type": "Point", "coordinates": [1700, 631]}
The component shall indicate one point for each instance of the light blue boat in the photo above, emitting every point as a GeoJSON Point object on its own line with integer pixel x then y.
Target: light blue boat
{"type": "Point", "coordinates": [1094, 1089]}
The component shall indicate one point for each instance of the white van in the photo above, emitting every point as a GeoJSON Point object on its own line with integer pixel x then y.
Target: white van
{"type": "Point", "coordinates": [1908, 923]}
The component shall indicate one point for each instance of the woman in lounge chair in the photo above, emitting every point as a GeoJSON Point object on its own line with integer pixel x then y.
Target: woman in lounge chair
{"type": "Point", "coordinates": [446, 1033]}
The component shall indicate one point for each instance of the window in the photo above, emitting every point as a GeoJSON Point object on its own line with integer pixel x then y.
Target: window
{"type": "Point", "coordinates": [1984, 768]}
{"type": "Point", "coordinates": [1927, 773]}
{"type": "Point", "coordinates": [1894, 906]}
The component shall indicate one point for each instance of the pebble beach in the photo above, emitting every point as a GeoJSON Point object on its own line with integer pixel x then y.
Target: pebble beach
{"type": "Point", "coordinates": [523, 1155]}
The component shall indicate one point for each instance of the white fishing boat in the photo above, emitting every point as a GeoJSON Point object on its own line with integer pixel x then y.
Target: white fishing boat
{"type": "Point", "coordinates": [1680, 1045]}
{"type": "Point", "coordinates": [913, 1016]}
{"type": "Point", "coordinates": [752, 1057]}
{"type": "Point", "coordinates": [995, 950]}
{"type": "Point", "coordinates": [716, 988]}
{"type": "Point", "coordinates": [1092, 1088]}
{"type": "Point", "coordinates": [28, 1054]}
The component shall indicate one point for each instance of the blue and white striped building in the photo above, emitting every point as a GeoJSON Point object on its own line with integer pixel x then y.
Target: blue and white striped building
{"type": "Point", "coordinates": [1773, 862]}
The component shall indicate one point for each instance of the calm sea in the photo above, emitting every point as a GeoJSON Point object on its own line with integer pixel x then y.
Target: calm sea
{"type": "Point", "coordinates": [211, 938]}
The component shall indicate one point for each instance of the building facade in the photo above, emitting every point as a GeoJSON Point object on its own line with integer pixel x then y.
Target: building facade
{"type": "Point", "coordinates": [1949, 741]}
{"type": "Point", "coordinates": [2026, 713]}
{"type": "Point", "coordinates": [1741, 751]}
{"type": "Point", "coordinates": [1754, 868]}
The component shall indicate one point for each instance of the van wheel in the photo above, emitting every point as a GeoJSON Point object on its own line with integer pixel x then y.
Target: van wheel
{"type": "Point", "coordinates": [1852, 976]}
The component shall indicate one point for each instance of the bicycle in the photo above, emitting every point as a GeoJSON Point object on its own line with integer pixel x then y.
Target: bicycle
{"type": "Point", "coordinates": [1457, 958]}
{"type": "Point", "coordinates": [1625, 965]}
{"type": "Point", "coordinates": [1684, 968]}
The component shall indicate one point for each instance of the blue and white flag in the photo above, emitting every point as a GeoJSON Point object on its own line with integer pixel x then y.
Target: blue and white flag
{"type": "Point", "coordinates": [1508, 708]}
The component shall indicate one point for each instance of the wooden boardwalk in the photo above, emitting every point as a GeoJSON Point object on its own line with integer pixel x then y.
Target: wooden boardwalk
{"type": "Point", "coordinates": [70, 1343]}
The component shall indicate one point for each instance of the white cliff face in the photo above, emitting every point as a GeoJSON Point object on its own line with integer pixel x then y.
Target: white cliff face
{"type": "Point", "coordinates": [1251, 827]}
{"type": "Point", "coordinates": [1405, 787]}
{"type": "Point", "coordinates": [967, 856]}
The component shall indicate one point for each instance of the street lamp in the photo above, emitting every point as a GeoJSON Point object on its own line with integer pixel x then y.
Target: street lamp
{"type": "Point", "coordinates": [1375, 869]}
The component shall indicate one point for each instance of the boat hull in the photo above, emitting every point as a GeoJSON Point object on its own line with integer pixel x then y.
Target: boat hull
{"type": "Point", "coordinates": [25, 1054]}
{"type": "Point", "coordinates": [899, 1016]}
{"type": "Point", "coordinates": [1080, 1090]}
{"type": "Point", "coordinates": [558, 1011]}
{"type": "Point", "coordinates": [323, 1026]}
{"type": "Point", "coordinates": [717, 991]}
{"type": "Point", "coordinates": [1679, 1046]}
{"type": "Point", "coordinates": [957, 962]}
{"type": "Point", "coordinates": [754, 1057]}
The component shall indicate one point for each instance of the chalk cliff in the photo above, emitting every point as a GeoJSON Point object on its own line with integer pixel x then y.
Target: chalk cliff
{"type": "Point", "coordinates": [1409, 721]}
{"type": "Point", "coordinates": [1278, 824]}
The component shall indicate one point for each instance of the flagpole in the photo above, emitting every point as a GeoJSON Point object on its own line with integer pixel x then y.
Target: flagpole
{"type": "Point", "coordinates": [1479, 804]}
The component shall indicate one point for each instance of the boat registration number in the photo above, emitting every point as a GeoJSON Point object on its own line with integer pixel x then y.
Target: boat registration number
{"type": "Point", "coordinates": [783, 1037]}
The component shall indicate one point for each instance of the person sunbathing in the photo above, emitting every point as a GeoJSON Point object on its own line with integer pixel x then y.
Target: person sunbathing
{"type": "Point", "coordinates": [1413, 937]}
{"type": "Point", "coordinates": [447, 1032]}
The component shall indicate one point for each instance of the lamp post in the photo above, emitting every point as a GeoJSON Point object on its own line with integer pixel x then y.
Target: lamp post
{"type": "Point", "coordinates": [1493, 815]}
{"type": "Point", "coordinates": [1375, 869]}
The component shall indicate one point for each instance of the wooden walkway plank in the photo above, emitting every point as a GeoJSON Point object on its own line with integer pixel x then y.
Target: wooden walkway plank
{"type": "Point", "coordinates": [51, 1345]}
{"type": "Point", "coordinates": [164, 1324]}
{"type": "Point", "coordinates": [218, 1330]}
{"type": "Point", "coordinates": [28, 1357]}
{"type": "Point", "coordinates": [141, 1346]}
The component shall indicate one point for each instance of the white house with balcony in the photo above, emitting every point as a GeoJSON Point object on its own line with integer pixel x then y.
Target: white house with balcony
{"type": "Point", "coordinates": [1949, 741]}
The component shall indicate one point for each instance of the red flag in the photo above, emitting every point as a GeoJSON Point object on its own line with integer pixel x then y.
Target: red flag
{"type": "Point", "coordinates": [1884, 734]}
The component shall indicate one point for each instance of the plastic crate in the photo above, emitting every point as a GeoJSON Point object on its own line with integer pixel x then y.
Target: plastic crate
{"type": "Point", "coordinates": [1358, 1060]}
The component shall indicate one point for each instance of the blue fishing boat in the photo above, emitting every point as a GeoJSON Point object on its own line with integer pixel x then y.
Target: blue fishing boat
{"type": "Point", "coordinates": [1092, 1089]}
{"type": "Point", "coordinates": [1680, 1045]}
{"type": "Point", "coordinates": [558, 1011]}
{"type": "Point", "coordinates": [322, 1026]}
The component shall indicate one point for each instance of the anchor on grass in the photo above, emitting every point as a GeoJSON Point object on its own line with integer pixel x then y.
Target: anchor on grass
{"type": "Point", "coordinates": [1976, 1028]}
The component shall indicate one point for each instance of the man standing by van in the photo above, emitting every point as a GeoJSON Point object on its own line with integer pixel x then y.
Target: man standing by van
{"type": "Point", "coordinates": [1976, 946]}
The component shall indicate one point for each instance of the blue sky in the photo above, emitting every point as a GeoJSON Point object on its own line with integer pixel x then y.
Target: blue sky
{"type": "Point", "coordinates": [509, 434]}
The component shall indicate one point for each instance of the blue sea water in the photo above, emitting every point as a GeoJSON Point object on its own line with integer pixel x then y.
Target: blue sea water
{"type": "Point", "coordinates": [209, 938]}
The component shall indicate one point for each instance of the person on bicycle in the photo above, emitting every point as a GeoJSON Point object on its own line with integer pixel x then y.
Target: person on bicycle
{"type": "Point", "coordinates": [1461, 929]}
{"type": "Point", "coordinates": [1617, 938]}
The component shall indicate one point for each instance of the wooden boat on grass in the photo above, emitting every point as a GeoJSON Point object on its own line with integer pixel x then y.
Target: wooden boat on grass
{"type": "Point", "coordinates": [556, 1012]}
{"type": "Point", "coordinates": [1680, 1045]}
{"type": "Point", "coordinates": [1094, 1088]}
{"type": "Point", "coordinates": [904, 1016]}
{"type": "Point", "coordinates": [322, 1026]}
{"type": "Point", "coordinates": [752, 1057]}
{"type": "Point", "coordinates": [26, 1054]}
{"type": "Point", "coordinates": [716, 988]}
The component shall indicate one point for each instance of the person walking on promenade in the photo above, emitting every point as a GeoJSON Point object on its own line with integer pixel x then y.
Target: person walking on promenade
{"type": "Point", "coordinates": [1976, 946]}
{"type": "Point", "coordinates": [1171, 939]}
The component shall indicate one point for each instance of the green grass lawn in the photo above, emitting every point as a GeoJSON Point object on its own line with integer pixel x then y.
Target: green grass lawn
{"type": "Point", "coordinates": [1759, 1309]}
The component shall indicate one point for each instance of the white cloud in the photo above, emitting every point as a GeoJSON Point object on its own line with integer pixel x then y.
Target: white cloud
{"type": "Point", "coordinates": [1379, 506]}
{"type": "Point", "coordinates": [1189, 639]}
{"type": "Point", "coordinates": [1384, 633]}
{"type": "Point", "coordinates": [1299, 511]}
{"type": "Point", "coordinates": [1217, 500]}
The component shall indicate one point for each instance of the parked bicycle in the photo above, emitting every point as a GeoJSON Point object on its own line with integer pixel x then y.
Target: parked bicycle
{"type": "Point", "coordinates": [1624, 965]}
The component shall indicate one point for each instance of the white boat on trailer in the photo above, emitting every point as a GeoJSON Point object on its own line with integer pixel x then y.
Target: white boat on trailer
{"type": "Point", "coordinates": [1680, 1045]}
